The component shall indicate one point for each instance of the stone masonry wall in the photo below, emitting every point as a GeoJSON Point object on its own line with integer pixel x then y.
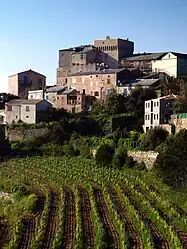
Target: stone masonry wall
{"type": "Point", "coordinates": [18, 134]}
{"type": "Point", "coordinates": [148, 157]}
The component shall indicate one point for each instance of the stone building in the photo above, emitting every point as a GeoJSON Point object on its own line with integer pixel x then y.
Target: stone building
{"type": "Point", "coordinates": [113, 50]}
{"type": "Point", "coordinates": [19, 84]}
{"type": "Point", "coordinates": [27, 111]}
{"type": "Point", "coordinates": [99, 83]}
{"type": "Point", "coordinates": [171, 63]}
{"type": "Point", "coordinates": [104, 54]}
{"type": "Point", "coordinates": [67, 98]}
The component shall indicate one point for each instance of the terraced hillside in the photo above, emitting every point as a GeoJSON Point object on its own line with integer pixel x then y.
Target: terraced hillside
{"type": "Point", "coordinates": [74, 204]}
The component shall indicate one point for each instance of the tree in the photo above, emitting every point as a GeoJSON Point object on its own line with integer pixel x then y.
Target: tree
{"type": "Point", "coordinates": [153, 138]}
{"type": "Point", "coordinates": [6, 97]}
{"type": "Point", "coordinates": [115, 103]}
{"type": "Point", "coordinates": [135, 101]}
{"type": "Point", "coordinates": [181, 104]}
{"type": "Point", "coordinates": [104, 155]}
{"type": "Point", "coordinates": [171, 161]}
{"type": "Point", "coordinates": [174, 85]}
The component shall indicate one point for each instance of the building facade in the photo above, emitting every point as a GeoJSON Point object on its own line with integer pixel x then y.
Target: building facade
{"type": "Point", "coordinates": [27, 111]}
{"type": "Point", "coordinates": [36, 94]}
{"type": "Point", "coordinates": [67, 98]}
{"type": "Point", "coordinates": [171, 63]}
{"type": "Point", "coordinates": [99, 83]}
{"type": "Point", "coordinates": [20, 84]}
{"type": "Point", "coordinates": [129, 86]}
{"type": "Point", "coordinates": [112, 50]}
{"type": "Point", "coordinates": [104, 54]}
{"type": "Point", "coordinates": [158, 112]}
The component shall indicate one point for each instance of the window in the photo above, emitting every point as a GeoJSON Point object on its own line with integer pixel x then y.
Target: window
{"type": "Point", "coordinates": [27, 116]}
{"type": "Point", "coordinates": [157, 103]}
{"type": "Point", "coordinates": [46, 97]}
{"type": "Point", "coordinates": [96, 75]}
{"type": "Point", "coordinates": [96, 93]}
{"type": "Point", "coordinates": [154, 116]}
{"type": "Point", "coordinates": [82, 56]}
{"type": "Point", "coordinates": [31, 96]}
{"type": "Point", "coordinates": [145, 105]}
{"type": "Point", "coordinates": [108, 76]}
{"type": "Point", "coordinates": [107, 91]}
{"type": "Point", "coordinates": [108, 81]}
{"type": "Point", "coordinates": [154, 104]}
{"type": "Point", "coordinates": [27, 108]}
{"type": "Point", "coordinates": [16, 116]}
{"type": "Point", "coordinates": [157, 116]}
{"type": "Point", "coordinates": [90, 76]}
{"type": "Point", "coordinates": [9, 108]}
{"type": "Point", "coordinates": [148, 117]}
{"type": "Point", "coordinates": [83, 91]}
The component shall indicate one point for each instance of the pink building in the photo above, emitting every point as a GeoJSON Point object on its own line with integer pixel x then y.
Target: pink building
{"type": "Point", "coordinates": [19, 84]}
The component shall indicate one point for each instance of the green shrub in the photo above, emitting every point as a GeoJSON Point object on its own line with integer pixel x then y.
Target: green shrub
{"type": "Point", "coordinates": [120, 158]}
{"type": "Point", "coordinates": [52, 150]}
{"type": "Point", "coordinates": [171, 161]}
{"type": "Point", "coordinates": [130, 142]}
{"type": "Point", "coordinates": [153, 138]}
{"type": "Point", "coordinates": [130, 162]}
{"type": "Point", "coordinates": [97, 142]}
{"type": "Point", "coordinates": [104, 155]}
{"type": "Point", "coordinates": [69, 150]}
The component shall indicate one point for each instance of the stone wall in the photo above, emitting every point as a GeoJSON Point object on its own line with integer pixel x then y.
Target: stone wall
{"type": "Point", "coordinates": [180, 123]}
{"type": "Point", "coordinates": [18, 133]}
{"type": "Point", "coordinates": [148, 157]}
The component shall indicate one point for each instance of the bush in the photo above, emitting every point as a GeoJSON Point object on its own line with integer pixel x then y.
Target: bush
{"type": "Point", "coordinates": [153, 138]}
{"type": "Point", "coordinates": [52, 150]}
{"type": "Point", "coordinates": [171, 161]}
{"type": "Point", "coordinates": [130, 162]}
{"type": "Point", "coordinates": [69, 150]}
{"type": "Point", "coordinates": [120, 158]}
{"type": "Point", "coordinates": [97, 142]}
{"type": "Point", "coordinates": [104, 155]}
{"type": "Point", "coordinates": [131, 142]}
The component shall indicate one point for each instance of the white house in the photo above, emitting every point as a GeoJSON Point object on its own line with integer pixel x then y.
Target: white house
{"type": "Point", "coordinates": [36, 94]}
{"type": "Point", "coordinates": [27, 111]}
{"type": "Point", "coordinates": [173, 64]}
{"type": "Point", "coordinates": [157, 112]}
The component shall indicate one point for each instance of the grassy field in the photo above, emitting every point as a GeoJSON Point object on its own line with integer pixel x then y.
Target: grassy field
{"type": "Point", "coordinates": [72, 203]}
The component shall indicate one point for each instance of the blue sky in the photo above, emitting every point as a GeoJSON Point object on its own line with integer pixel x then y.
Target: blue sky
{"type": "Point", "coordinates": [32, 31]}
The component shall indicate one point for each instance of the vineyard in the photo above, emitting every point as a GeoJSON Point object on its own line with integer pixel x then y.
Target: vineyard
{"type": "Point", "coordinates": [71, 203]}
